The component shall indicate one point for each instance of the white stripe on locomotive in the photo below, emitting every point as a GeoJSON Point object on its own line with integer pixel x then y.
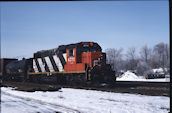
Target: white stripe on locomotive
{"type": "Point", "coordinates": [50, 66]}
{"type": "Point", "coordinates": [35, 68]}
{"type": "Point", "coordinates": [58, 63]}
{"type": "Point", "coordinates": [41, 64]}
{"type": "Point", "coordinates": [65, 57]}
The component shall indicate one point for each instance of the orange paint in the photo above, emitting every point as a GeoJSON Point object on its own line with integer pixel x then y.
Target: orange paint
{"type": "Point", "coordinates": [89, 57]}
{"type": "Point", "coordinates": [76, 60]}
{"type": "Point", "coordinates": [75, 67]}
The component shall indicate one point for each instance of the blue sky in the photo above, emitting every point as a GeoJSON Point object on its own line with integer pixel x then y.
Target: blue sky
{"type": "Point", "coordinates": [27, 27]}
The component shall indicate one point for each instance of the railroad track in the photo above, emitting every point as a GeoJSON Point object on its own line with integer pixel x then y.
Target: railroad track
{"type": "Point", "coordinates": [143, 83]}
{"type": "Point", "coordinates": [136, 87]}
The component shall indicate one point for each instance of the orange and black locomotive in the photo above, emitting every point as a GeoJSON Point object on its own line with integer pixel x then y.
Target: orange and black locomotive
{"type": "Point", "coordinates": [74, 63]}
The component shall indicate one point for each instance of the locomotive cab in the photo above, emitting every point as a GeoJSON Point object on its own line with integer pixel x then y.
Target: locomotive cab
{"type": "Point", "coordinates": [84, 54]}
{"type": "Point", "coordinates": [88, 57]}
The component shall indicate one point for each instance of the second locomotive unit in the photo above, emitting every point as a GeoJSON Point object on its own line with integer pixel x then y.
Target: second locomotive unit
{"type": "Point", "coordinates": [74, 63]}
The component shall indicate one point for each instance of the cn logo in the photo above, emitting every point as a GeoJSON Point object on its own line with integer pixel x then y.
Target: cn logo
{"type": "Point", "coordinates": [71, 59]}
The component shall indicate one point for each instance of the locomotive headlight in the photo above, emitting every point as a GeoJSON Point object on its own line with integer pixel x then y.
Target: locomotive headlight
{"type": "Point", "coordinates": [99, 59]}
{"type": "Point", "coordinates": [20, 70]}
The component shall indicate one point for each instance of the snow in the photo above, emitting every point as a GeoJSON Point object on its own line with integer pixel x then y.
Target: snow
{"type": "Point", "coordinates": [84, 101]}
{"type": "Point", "coordinates": [158, 70]}
{"type": "Point", "coordinates": [17, 105]}
{"type": "Point", "coordinates": [129, 76]}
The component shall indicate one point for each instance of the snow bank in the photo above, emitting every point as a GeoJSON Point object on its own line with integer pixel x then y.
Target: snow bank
{"type": "Point", "coordinates": [158, 70]}
{"type": "Point", "coordinates": [128, 76]}
{"type": "Point", "coordinates": [88, 101]}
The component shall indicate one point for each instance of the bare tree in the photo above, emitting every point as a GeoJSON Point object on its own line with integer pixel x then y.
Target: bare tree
{"type": "Point", "coordinates": [142, 68]}
{"type": "Point", "coordinates": [149, 58]}
{"type": "Point", "coordinates": [167, 54]}
{"type": "Point", "coordinates": [145, 54]}
{"type": "Point", "coordinates": [131, 58]}
{"type": "Point", "coordinates": [161, 55]}
{"type": "Point", "coordinates": [114, 57]}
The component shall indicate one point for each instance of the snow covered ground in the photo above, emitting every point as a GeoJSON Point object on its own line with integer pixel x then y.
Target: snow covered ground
{"type": "Point", "coordinates": [69, 100]}
{"type": "Point", "coordinates": [12, 104]}
{"type": "Point", "coordinates": [129, 76]}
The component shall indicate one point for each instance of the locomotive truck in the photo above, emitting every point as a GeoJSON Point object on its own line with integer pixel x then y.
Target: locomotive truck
{"type": "Point", "coordinates": [77, 63]}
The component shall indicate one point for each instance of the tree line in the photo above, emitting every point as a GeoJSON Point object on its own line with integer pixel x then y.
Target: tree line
{"type": "Point", "coordinates": [148, 58]}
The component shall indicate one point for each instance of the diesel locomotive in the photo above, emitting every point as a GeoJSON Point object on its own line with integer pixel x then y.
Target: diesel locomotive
{"type": "Point", "coordinates": [77, 63]}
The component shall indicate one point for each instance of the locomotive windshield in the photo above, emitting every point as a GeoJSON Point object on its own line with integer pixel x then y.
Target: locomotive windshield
{"type": "Point", "coordinates": [89, 47]}
{"type": "Point", "coordinates": [90, 50]}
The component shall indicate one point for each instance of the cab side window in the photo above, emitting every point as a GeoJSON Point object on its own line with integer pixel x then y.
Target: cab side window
{"type": "Point", "coordinates": [71, 53]}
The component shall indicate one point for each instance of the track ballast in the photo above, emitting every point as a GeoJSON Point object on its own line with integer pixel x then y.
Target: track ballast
{"type": "Point", "coordinates": [134, 87]}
